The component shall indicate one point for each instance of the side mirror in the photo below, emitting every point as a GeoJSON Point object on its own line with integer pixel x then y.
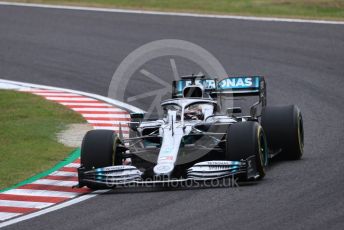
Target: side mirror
{"type": "Point", "coordinates": [233, 110]}
{"type": "Point", "coordinates": [136, 119]}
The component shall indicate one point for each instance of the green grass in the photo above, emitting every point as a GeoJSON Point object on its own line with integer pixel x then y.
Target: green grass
{"type": "Point", "coordinates": [28, 127]}
{"type": "Point", "coordinates": [315, 9]}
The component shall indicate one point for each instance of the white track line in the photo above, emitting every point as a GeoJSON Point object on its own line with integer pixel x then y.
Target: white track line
{"type": "Point", "coordinates": [75, 197]}
{"type": "Point", "coordinates": [24, 204]}
{"type": "Point", "coordinates": [72, 165]}
{"type": "Point", "coordinates": [111, 10]}
{"type": "Point", "coordinates": [36, 90]}
{"type": "Point", "coordinates": [85, 104]}
{"type": "Point", "coordinates": [7, 215]}
{"type": "Point", "coordinates": [105, 115]}
{"type": "Point", "coordinates": [57, 94]}
{"type": "Point", "coordinates": [53, 208]}
{"type": "Point", "coordinates": [62, 173]}
{"type": "Point", "coordinates": [55, 182]}
{"type": "Point", "coordinates": [47, 193]}
{"type": "Point", "coordinates": [20, 85]}
{"type": "Point", "coordinates": [112, 128]}
{"type": "Point", "coordinates": [107, 122]}
{"type": "Point", "coordinates": [98, 109]}
{"type": "Point", "coordinates": [70, 99]}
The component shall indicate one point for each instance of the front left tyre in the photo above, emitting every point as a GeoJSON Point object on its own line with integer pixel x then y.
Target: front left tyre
{"type": "Point", "coordinates": [245, 139]}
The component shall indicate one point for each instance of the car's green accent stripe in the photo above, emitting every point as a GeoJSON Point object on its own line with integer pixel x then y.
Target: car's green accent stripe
{"type": "Point", "coordinates": [72, 157]}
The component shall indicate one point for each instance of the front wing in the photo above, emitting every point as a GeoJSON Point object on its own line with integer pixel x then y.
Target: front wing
{"type": "Point", "coordinates": [202, 171]}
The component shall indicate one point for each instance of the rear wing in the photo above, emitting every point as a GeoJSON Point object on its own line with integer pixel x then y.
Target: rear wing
{"type": "Point", "coordinates": [235, 86]}
{"type": "Point", "coordinates": [209, 85]}
{"type": "Point", "coordinates": [244, 86]}
{"type": "Point", "coordinates": [239, 86]}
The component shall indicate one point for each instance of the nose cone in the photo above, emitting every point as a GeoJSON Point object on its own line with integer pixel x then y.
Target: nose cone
{"type": "Point", "coordinates": [163, 169]}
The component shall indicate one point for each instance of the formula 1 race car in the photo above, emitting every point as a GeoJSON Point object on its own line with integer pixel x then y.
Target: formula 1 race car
{"type": "Point", "coordinates": [197, 139]}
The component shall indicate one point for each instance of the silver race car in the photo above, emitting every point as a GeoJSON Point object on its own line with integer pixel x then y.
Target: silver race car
{"type": "Point", "coordinates": [199, 138]}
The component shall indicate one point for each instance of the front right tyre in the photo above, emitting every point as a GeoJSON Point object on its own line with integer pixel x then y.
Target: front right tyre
{"type": "Point", "coordinates": [283, 126]}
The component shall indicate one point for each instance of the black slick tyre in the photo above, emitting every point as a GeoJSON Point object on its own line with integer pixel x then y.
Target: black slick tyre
{"type": "Point", "coordinates": [98, 149]}
{"type": "Point", "coordinates": [245, 139]}
{"type": "Point", "coordinates": [283, 126]}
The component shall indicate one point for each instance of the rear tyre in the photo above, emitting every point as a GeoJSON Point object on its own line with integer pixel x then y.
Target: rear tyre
{"type": "Point", "coordinates": [98, 149]}
{"type": "Point", "coordinates": [245, 139]}
{"type": "Point", "coordinates": [283, 126]}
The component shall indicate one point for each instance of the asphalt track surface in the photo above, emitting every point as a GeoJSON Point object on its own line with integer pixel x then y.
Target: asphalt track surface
{"type": "Point", "coordinates": [304, 64]}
